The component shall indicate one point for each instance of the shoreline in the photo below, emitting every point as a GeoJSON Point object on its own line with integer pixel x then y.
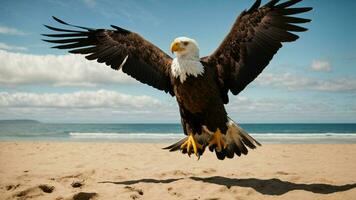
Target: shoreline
{"type": "Point", "coordinates": [263, 138]}
{"type": "Point", "coordinates": [48, 170]}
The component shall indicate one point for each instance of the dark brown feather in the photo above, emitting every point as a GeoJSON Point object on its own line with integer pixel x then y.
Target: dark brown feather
{"type": "Point", "coordinates": [145, 62]}
{"type": "Point", "coordinates": [62, 30]}
{"type": "Point", "coordinates": [77, 34]}
{"type": "Point", "coordinates": [255, 37]}
{"type": "Point", "coordinates": [293, 11]}
{"type": "Point", "coordinates": [83, 50]}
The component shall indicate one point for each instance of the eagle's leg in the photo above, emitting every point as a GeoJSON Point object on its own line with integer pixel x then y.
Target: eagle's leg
{"type": "Point", "coordinates": [191, 145]}
{"type": "Point", "coordinates": [217, 141]}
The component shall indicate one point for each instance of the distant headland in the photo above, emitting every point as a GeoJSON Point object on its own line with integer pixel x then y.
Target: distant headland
{"type": "Point", "coordinates": [19, 121]}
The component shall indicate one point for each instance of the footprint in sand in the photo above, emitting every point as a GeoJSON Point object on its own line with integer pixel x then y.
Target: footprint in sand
{"type": "Point", "coordinates": [46, 188]}
{"type": "Point", "coordinates": [85, 196]}
{"type": "Point", "coordinates": [12, 187]}
{"type": "Point", "coordinates": [34, 191]}
{"type": "Point", "coordinates": [138, 191]}
{"type": "Point", "coordinates": [76, 184]}
{"type": "Point", "coordinates": [170, 191]}
{"type": "Point", "coordinates": [134, 196]}
{"type": "Point", "coordinates": [132, 189]}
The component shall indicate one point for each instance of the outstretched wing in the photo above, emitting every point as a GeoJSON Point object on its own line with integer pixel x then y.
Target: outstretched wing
{"type": "Point", "coordinates": [255, 37]}
{"type": "Point", "coordinates": [119, 49]}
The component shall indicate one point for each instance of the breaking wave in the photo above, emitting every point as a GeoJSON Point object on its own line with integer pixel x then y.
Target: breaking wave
{"type": "Point", "coordinates": [262, 137]}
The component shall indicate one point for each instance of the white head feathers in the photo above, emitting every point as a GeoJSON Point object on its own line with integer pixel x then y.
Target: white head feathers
{"type": "Point", "coordinates": [187, 61]}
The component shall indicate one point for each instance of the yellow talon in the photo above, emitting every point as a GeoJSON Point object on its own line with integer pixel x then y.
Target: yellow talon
{"type": "Point", "coordinates": [189, 143]}
{"type": "Point", "coordinates": [217, 140]}
{"type": "Point", "coordinates": [189, 146]}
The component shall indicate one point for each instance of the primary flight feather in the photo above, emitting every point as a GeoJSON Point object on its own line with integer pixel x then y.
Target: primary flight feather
{"type": "Point", "coordinates": [200, 85]}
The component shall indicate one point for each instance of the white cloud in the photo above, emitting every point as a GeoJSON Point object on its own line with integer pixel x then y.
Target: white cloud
{"type": "Point", "coordinates": [86, 106]}
{"type": "Point", "coordinates": [290, 110]}
{"type": "Point", "coordinates": [61, 70]}
{"type": "Point", "coordinates": [243, 106]}
{"type": "Point", "coordinates": [320, 65]}
{"type": "Point", "coordinates": [7, 47]}
{"type": "Point", "coordinates": [113, 106]}
{"type": "Point", "coordinates": [80, 99]}
{"type": "Point", "coordinates": [10, 31]}
{"type": "Point", "coordinates": [299, 82]}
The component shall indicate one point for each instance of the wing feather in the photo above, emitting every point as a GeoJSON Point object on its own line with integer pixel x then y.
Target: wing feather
{"type": "Point", "coordinates": [77, 34]}
{"type": "Point", "coordinates": [119, 49]}
{"type": "Point", "coordinates": [253, 40]}
{"type": "Point", "coordinates": [62, 30]}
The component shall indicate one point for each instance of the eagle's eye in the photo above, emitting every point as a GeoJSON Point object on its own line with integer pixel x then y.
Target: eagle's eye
{"type": "Point", "coordinates": [185, 43]}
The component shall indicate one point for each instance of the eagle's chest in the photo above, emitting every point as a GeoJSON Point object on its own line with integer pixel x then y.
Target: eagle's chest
{"type": "Point", "coordinates": [196, 93]}
{"type": "Point", "coordinates": [193, 84]}
{"type": "Point", "coordinates": [192, 93]}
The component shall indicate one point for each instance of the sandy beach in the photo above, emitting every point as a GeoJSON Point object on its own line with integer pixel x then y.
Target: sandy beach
{"type": "Point", "coordinates": [82, 171]}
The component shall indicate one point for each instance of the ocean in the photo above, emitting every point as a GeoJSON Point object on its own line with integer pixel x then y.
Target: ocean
{"type": "Point", "coordinates": [264, 133]}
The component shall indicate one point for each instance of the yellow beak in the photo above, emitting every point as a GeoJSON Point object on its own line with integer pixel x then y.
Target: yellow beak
{"type": "Point", "coordinates": [175, 47]}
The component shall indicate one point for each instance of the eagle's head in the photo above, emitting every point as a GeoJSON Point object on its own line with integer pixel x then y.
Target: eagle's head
{"type": "Point", "coordinates": [185, 47]}
{"type": "Point", "coordinates": [187, 62]}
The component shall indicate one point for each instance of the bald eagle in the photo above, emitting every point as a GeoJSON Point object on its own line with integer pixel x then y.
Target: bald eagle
{"type": "Point", "coordinates": [200, 85]}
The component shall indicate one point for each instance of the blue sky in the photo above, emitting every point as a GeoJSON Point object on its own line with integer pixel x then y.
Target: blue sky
{"type": "Point", "coordinates": [310, 80]}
